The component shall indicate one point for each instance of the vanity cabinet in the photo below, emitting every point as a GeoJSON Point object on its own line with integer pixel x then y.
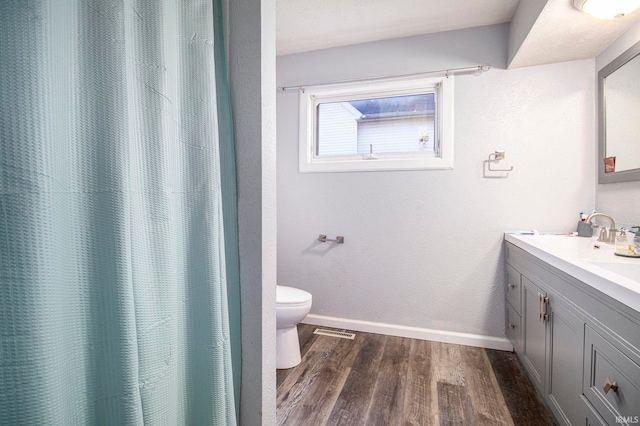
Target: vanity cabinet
{"type": "Point", "coordinates": [572, 340]}
{"type": "Point", "coordinates": [534, 330]}
{"type": "Point", "coordinates": [551, 349]}
{"type": "Point", "coordinates": [564, 364]}
{"type": "Point", "coordinates": [514, 324]}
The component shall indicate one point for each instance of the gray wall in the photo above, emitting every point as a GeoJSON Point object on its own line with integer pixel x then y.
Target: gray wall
{"type": "Point", "coordinates": [423, 248]}
{"type": "Point", "coordinates": [251, 44]}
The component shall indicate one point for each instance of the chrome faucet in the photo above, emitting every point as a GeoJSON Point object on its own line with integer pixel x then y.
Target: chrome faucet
{"type": "Point", "coordinates": [606, 236]}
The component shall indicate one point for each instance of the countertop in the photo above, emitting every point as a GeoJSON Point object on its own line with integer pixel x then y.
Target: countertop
{"type": "Point", "coordinates": [577, 257]}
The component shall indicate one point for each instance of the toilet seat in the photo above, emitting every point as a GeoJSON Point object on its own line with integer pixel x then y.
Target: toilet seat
{"type": "Point", "coordinates": [289, 296]}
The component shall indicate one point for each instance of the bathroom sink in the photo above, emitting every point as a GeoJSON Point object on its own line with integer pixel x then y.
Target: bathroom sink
{"type": "Point", "coordinates": [629, 270]}
{"type": "Point", "coordinates": [576, 255]}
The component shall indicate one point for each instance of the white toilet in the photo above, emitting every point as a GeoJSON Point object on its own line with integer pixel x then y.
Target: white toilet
{"type": "Point", "coordinates": [292, 305]}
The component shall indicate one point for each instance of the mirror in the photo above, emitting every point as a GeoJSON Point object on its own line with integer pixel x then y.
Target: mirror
{"type": "Point", "coordinates": [619, 118]}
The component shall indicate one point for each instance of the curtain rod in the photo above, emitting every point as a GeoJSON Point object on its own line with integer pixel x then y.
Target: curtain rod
{"type": "Point", "coordinates": [477, 70]}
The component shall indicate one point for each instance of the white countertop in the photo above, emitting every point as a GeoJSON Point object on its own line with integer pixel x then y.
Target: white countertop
{"type": "Point", "coordinates": [577, 257]}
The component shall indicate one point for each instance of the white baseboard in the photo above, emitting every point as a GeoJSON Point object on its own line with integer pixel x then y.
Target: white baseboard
{"type": "Point", "coordinates": [489, 342]}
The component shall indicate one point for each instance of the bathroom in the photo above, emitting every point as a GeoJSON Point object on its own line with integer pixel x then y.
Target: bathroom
{"type": "Point", "coordinates": [423, 253]}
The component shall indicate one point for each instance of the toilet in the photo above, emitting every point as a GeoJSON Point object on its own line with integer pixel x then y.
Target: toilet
{"type": "Point", "coordinates": [292, 305]}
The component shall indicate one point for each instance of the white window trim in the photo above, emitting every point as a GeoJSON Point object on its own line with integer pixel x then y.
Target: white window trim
{"type": "Point", "coordinates": [311, 96]}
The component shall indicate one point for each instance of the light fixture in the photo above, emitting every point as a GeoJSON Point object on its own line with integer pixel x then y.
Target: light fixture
{"type": "Point", "coordinates": [607, 9]}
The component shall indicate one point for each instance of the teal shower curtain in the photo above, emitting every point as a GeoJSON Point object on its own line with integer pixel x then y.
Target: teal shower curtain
{"type": "Point", "coordinates": [114, 139]}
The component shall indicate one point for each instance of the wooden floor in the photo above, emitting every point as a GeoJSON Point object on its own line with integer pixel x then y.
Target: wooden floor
{"type": "Point", "coordinates": [386, 380]}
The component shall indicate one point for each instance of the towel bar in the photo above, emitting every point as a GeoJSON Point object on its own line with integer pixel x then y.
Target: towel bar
{"type": "Point", "coordinates": [323, 238]}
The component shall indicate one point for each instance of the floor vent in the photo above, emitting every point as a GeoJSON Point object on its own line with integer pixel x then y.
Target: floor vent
{"type": "Point", "coordinates": [333, 333]}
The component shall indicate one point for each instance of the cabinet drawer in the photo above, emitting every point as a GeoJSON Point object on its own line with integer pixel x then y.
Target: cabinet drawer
{"type": "Point", "coordinates": [513, 289]}
{"type": "Point", "coordinates": [591, 416]}
{"type": "Point", "coordinates": [514, 329]}
{"type": "Point", "coordinates": [602, 362]}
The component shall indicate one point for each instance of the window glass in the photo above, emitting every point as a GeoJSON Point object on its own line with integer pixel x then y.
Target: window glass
{"type": "Point", "coordinates": [400, 124]}
{"type": "Point", "coordinates": [393, 124]}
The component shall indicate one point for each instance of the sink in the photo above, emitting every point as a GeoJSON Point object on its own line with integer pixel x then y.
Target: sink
{"type": "Point", "coordinates": [629, 270]}
{"type": "Point", "coordinates": [580, 252]}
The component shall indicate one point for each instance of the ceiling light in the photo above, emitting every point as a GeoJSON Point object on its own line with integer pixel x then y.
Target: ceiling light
{"type": "Point", "coordinates": [607, 9]}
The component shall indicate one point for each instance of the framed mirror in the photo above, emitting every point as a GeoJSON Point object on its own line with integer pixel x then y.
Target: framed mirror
{"type": "Point", "coordinates": [619, 118]}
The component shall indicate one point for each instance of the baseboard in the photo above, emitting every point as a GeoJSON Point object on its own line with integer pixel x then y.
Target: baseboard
{"type": "Point", "coordinates": [489, 342]}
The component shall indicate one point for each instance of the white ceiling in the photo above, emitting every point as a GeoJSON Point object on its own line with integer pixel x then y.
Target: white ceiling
{"type": "Point", "coordinates": [563, 33]}
{"type": "Point", "coordinates": [304, 25]}
{"type": "Point", "coordinates": [560, 32]}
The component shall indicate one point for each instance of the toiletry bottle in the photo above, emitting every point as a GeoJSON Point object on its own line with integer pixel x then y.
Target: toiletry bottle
{"type": "Point", "coordinates": [622, 245]}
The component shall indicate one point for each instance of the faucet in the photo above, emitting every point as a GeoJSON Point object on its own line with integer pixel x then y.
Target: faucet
{"type": "Point", "coordinates": [605, 237]}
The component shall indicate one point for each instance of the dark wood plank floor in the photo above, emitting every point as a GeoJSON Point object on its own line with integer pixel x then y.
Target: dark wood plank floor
{"type": "Point", "coordinates": [388, 381]}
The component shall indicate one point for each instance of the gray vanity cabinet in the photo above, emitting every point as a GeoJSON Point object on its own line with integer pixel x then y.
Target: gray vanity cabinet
{"type": "Point", "coordinates": [564, 361]}
{"type": "Point", "coordinates": [551, 351]}
{"type": "Point", "coordinates": [513, 308]}
{"type": "Point", "coordinates": [580, 347]}
{"type": "Point", "coordinates": [534, 333]}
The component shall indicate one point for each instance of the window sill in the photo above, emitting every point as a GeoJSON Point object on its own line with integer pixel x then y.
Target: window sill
{"type": "Point", "coordinates": [379, 164]}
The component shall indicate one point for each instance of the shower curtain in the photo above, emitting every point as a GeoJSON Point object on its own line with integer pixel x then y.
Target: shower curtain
{"type": "Point", "coordinates": [113, 275]}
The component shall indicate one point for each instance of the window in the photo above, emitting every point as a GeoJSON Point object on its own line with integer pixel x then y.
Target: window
{"type": "Point", "coordinates": [388, 125]}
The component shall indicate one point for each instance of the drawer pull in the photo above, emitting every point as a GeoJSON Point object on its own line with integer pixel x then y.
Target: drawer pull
{"type": "Point", "coordinates": [607, 386]}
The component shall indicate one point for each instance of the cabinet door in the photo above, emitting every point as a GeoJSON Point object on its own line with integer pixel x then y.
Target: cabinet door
{"type": "Point", "coordinates": [564, 382]}
{"type": "Point", "coordinates": [534, 343]}
{"type": "Point", "coordinates": [513, 289]}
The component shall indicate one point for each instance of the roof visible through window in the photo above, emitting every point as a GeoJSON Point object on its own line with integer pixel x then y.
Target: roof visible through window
{"type": "Point", "coordinates": [395, 106]}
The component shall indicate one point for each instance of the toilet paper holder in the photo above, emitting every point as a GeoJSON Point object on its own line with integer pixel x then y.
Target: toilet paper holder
{"type": "Point", "coordinates": [323, 239]}
{"type": "Point", "coordinates": [496, 156]}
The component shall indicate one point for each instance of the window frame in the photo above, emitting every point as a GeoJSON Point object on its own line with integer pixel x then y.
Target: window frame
{"type": "Point", "coordinates": [310, 97]}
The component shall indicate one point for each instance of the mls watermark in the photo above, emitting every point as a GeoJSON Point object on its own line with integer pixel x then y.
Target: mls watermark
{"type": "Point", "coordinates": [628, 419]}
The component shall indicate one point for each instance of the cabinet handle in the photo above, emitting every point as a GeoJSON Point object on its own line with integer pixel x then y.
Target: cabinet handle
{"type": "Point", "coordinates": [512, 325]}
{"type": "Point", "coordinates": [607, 386]}
{"type": "Point", "coordinates": [543, 301]}
{"type": "Point", "coordinates": [512, 285]}
{"type": "Point", "coordinates": [540, 306]}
